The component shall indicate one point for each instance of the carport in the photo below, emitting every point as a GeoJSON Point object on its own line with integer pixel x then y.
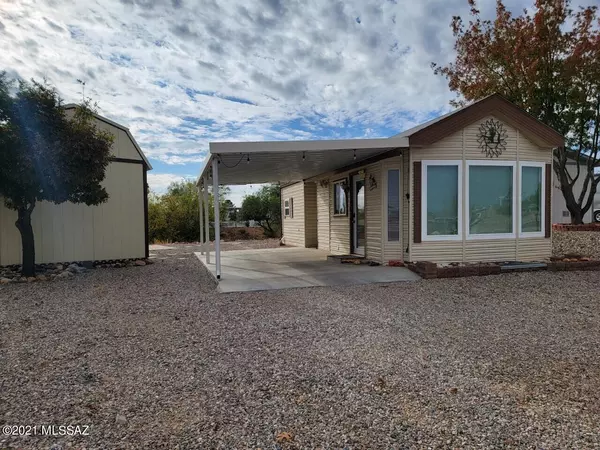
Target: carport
{"type": "Point", "coordinates": [231, 163]}
{"type": "Point", "coordinates": [292, 267]}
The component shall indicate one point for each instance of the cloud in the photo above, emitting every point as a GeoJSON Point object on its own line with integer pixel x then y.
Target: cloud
{"type": "Point", "coordinates": [180, 76]}
{"type": "Point", "coordinates": [159, 182]}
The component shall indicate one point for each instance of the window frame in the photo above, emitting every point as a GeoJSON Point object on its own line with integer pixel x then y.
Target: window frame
{"type": "Point", "coordinates": [542, 167]}
{"type": "Point", "coordinates": [515, 200]}
{"type": "Point", "coordinates": [289, 208]}
{"type": "Point", "coordinates": [334, 184]}
{"type": "Point", "coordinates": [441, 237]}
{"type": "Point", "coordinates": [386, 169]}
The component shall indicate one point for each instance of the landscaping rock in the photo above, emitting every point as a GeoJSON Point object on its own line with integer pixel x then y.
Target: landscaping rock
{"type": "Point", "coordinates": [5, 280]}
{"type": "Point", "coordinates": [139, 262]}
{"type": "Point", "coordinates": [121, 419]}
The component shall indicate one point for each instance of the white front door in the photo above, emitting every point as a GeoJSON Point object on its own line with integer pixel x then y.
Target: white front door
{"type": "Point", "coordinates": [358, 215]}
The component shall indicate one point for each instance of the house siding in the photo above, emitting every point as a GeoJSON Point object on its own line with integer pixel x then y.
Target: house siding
{"type": "Point", "coordinates": [373, 217]}
{"type": "Point", "coordinates": [77, 232]}
{"type": "Point", "coordinates": [322, 215]}
{"type": "Point", "coordinates": [463, 146]}
{"type": "Point", "coordinates": [310, 215]}
{"type": "Point", "coordinates": [294, 227]}
{"type": "Point", "coordinates": [339, 240]}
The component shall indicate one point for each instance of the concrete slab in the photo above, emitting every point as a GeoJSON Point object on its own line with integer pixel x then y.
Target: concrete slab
{"type": "Point", "coordinates": [283, 268]}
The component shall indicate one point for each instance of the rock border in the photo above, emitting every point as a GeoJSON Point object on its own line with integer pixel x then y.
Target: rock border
{"type": "Point", "coordinates": [64, 270]}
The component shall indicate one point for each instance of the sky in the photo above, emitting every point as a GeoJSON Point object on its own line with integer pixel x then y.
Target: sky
{"type": "Point", "coordinates": [183, 73]}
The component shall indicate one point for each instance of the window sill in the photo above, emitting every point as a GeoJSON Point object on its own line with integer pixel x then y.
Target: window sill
{"type": "Point", "coordinates": [492, 237]}
{"type": "Point", "coordinates": [441, 238]}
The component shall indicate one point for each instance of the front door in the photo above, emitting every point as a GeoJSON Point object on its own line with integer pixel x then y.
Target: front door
{"type": "Point", "coordinates": [358, 215]}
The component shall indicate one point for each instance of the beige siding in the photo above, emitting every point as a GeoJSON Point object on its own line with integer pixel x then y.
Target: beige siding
{"type": "Point", "coordinates": [473, 151]}
{"type": "Point", "coordinates": [310, 215]}
{"type": "Point", "coordinates": [528, 151]}
{"type": "Point", "coordinates": [463, 145]}
{"type": "Point", "coordinates": [373, 219]}
{"type": "Point", "coordinates": [339, 242]}
{"type": "Point", "coordinates": [323, 215]}
{"type": "Point", "coordinates": [294, 227]}
{"type": "Point", "coordinates": [70, 232]}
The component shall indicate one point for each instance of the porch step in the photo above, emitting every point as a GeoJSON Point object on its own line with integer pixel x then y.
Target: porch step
{"type": "Point", "coordinates": [351, 259]}
{"type": "Point", "coordinates": [522, 266]}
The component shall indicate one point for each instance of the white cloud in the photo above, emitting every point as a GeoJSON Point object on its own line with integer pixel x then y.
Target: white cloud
{"type": "Point", "coordinates": [181, 75]}
{"type": "Point", "coordinates": [159, 182]}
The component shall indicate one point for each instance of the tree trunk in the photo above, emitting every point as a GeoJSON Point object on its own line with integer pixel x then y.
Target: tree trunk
{"type": "Point", "coordinates": [23, 223]}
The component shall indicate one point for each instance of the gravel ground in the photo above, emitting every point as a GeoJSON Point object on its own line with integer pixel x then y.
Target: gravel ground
{"type": "Point", "coordinates": [225, 245]}
{"type": "Point", "coordinates": [584, 243]}
{"type": "Point", "coordinates": [151, 357]}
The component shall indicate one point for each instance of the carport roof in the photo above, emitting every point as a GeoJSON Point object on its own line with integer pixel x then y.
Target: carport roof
{"type": "Point", "coordinates": [290, 161]}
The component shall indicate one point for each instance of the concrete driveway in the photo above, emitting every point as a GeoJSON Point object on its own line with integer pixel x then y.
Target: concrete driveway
{"type": "Point", "coordinates": [282, 268]}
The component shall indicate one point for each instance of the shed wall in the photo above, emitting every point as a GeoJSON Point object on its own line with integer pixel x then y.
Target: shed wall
{"type": "Point", "coordinates": [77, 232]}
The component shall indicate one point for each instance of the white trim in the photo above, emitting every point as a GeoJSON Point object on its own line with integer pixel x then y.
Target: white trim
{"type": "Point", "coordinates": [385, 188]}
{"type": "Point", "coordinates": [512, 235]}
{"type": "Point", "coordinates": [385, 144]}
{"type": "Point", "coordinates": [533, 234]}
{"type": "Point", "coordinates": [447, 237]}
{"type": "Point", "coordinates": [289, 210]}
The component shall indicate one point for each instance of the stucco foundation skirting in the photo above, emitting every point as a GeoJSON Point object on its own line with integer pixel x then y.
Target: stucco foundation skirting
{"type": "Point", "coordinates": [428, 269]}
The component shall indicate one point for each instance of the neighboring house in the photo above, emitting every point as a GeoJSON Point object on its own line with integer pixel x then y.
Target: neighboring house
{"type": "Point", "coordinates": [473, 185]}
{"type": "Point", "coordinates": [117, 229]}
{"type": "Point", "coordinates": [560, 213]}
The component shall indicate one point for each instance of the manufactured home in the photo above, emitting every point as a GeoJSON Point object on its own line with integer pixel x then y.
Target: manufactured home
{"type": "Point", "coordinates": [67, 232]}
{"type": "Point", "coordinates": [473, 185]}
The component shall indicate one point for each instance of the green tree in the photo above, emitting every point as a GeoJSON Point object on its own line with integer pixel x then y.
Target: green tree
{"type": "Point", "coordinates": [264, 207]}
{"type": "Point", "coordinates": [548, 62]}
{"type": "Point", "coordinates": [47, 156]}
{"type": "Point", "coordinates": [174, 216]}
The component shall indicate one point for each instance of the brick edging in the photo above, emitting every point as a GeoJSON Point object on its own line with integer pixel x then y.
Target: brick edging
{"type": "Point", "coordinates": [428, 270]}
{"type": "Point", "coordinates": [571, 227]}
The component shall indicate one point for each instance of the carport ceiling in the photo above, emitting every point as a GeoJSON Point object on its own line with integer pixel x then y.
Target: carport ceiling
{"type": "Point", "coordinates": [265, 162]}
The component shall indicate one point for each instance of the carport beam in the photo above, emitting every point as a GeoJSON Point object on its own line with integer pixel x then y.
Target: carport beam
{"type": "Point", "coordinates": [216, 202]}
{"type": "Point", "coordinates": [206, 224]}
{"type": "Point", "coordinates": [201, 212]}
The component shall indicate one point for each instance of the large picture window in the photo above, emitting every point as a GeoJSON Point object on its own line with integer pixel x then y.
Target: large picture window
{"type": "Point", "coordinates": [393, 205]}
{"type": "Point", "coordinates": [339, 198]}
{"type": "Point", "coordinates": [491, 199]}
{"type": "Point", "coordinates": [532, 199]}
{"type": "Point", "coordinates": [442, 200]}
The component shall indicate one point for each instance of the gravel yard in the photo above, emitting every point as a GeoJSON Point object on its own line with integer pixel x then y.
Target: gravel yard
{"type": "Point", "coordinates": [151, 357]}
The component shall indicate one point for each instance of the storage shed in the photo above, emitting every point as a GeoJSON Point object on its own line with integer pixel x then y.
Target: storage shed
{"type": "Point", "coordinates": [116, 229]}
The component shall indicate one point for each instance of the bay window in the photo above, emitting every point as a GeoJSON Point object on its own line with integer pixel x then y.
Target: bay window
{"type": "Point", "coordinates": [441, 200]}
{"type": "Point", "coordinates": [491, 199]}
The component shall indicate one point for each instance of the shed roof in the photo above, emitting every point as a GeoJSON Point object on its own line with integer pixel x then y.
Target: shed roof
{"type": "Point", "coordinates": [121, 127]}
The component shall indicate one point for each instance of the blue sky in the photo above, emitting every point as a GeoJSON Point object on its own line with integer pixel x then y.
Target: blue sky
{"type": "Point", "coordinates": [182, 73]}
